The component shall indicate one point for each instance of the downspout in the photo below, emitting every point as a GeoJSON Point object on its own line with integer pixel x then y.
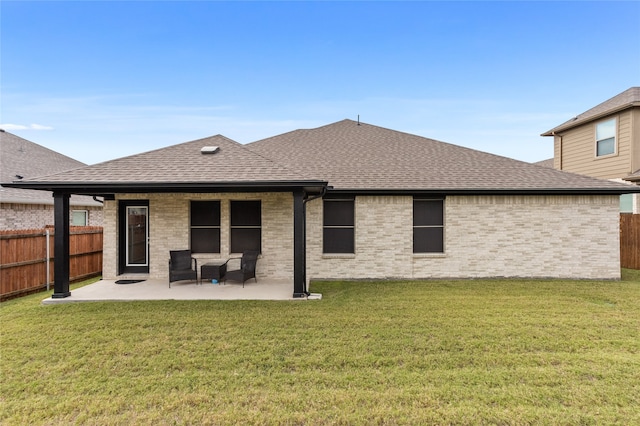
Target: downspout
{"type": "Point", "coordinates": [304, 236]}
{"type": "Point", "coordinates": [95, 198]}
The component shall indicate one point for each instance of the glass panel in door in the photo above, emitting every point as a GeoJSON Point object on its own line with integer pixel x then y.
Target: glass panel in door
{"type": "Point", "coordinates": [137, 236]}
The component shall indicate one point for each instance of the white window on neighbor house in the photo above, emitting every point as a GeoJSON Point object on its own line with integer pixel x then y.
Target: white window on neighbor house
{"type": "Point", "coordinates": [606, 138]}
{"type": "Point", "coordinates": [630, 203]}
{"type": "Point", "coordinates": [79, 217]}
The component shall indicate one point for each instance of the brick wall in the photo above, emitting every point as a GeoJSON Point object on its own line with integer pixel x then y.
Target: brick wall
{"type": "Point", "coordinates": [36, 216]}
{"type": "Point", "coordinates": [485, 236]}
{"type": "Point", "coordinates": [110, 240]}
{"type": "Point", "coordinates": [169, 230]}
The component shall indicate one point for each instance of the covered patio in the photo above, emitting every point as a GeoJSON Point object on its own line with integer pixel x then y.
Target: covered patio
{"type": "Point", "coordinates": [154, 289]}
{"type": "Point", "coordinates": [212, 196]}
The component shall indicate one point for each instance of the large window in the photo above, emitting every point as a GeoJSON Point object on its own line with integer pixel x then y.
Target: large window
{"type": "Point", "coordinates": [246, 226]}
{"type": "Point", "coordinates": [205, 226]}
{"type": "Point", "coordinates": [606, 137]}
{"type": "Point", "coordinates": [428, 226]}
{"type": "Point", "coordinates": [338, 226]}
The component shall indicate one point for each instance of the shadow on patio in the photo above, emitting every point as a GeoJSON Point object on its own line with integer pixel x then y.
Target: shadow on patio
{"type": "Point", "coordinates": [108, 290]}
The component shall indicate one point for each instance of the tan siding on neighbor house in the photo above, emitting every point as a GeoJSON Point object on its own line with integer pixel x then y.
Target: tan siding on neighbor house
{"type": "Point", "coordinates": [557, 152]}
{"type": "Point", "coordinates": [578, 150]}
{"type": "Point", "coordinates": [635, 142]}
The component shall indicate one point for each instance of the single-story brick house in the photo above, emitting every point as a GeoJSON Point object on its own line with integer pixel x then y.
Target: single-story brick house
{"type": "Point", "coordinates": [28, 209]}
{"type": "Point", "coordinates": [347, 201]}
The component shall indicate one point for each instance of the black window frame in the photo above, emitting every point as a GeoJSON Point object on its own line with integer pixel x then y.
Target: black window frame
{"type": "Point", "coordinates": [205, 229]}
{"type": "Point", "coordinates": [245, 226]}
{"type": "Point", "coordinates": [338, 226]}
{"type": "Point", "coordinates": [428, 226]}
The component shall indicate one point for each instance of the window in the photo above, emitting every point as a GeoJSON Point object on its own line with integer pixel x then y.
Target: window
{"type": "Point", "coordinates": [626, 203]}
{"type": "Point", "coordinates": [606, 137]}
{"type": "Point", "coordinates": [338, 226]}
{"type": "Point", "coordinates": [205, 226]}
{"type": "Point", "coordinates": [79, 218]}
{"type": "Point", "coordinates": [246, 226]}
{"type": "Point", "coordinates": [428, 226]}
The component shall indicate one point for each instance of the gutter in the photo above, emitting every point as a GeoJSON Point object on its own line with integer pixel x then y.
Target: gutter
{"type": "Point", "coordinates": [164, 187]}
{"type": "Point", "coordinates": [622, 189]}
{"type": "Point", "coordinates": [577, 121]}
{"type": "Point", "coordinates": [47, 202]}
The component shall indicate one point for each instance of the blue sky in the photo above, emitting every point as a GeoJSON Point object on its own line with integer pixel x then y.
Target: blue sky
{"type": "Point", "coordinates": [100, 80]}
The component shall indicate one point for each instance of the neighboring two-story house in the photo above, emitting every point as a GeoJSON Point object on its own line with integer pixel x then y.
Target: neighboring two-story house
{"type": "Point", "coordinates": [603, 142]}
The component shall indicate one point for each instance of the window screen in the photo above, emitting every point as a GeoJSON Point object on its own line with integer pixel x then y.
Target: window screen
{"type": "Point", "coordinates": [338, 226]}
{"type": "Point", "coordinates": [205, 226]}
{"type": "Point", "coordinates": [246, 226]}
{"type": "Point", "coordinates": [428, 226]}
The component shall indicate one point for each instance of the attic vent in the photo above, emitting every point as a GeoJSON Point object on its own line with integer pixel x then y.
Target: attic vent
{"type": "Point", "coordinates": [209, 149]}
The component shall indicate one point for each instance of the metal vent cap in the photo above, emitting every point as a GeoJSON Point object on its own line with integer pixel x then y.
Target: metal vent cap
{"type": "Point", "coordinates": [209, 149]}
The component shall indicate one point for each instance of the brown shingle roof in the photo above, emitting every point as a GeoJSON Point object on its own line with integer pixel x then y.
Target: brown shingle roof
{"type": "Point", "coordinates": [545, 163]}
{"type": "Point", "coordinates": [350, 156]}
{"type": "Point", "coordinates": [184, 163]}
{"type": "Point", "coordinates": [354, 156]}
{"type": "Point", "coordinates": [627, 99]}
{"type": "Point", "coordinates": [20, 157]}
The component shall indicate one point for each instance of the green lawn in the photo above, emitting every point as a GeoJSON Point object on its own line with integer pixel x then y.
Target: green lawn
{"type": "Point", "coordinates": [434, 352]}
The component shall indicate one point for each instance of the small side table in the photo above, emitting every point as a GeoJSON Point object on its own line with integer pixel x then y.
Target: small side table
{"type": "Point", "coordinates": [213, 270]}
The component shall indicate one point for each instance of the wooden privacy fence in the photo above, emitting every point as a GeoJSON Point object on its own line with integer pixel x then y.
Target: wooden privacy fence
{"type": "Point", "coordinates": [27, 258]}
{"type": "Point", "coordinates": [630, 240]}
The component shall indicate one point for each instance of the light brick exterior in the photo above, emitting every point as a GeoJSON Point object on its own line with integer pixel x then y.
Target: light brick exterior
{"type": "Point", "coordinates": [36, 216]}
{"type": "Point", "coordinates": [485, 236]}
{"type": "Point", "coordinates": [169, 230]}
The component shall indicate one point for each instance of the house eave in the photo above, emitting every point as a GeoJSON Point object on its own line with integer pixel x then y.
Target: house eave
{"type": "Point", "coordinates": [47, 202]}
{"type": "Point", "coordinates": [109, 188]}
{"type": "Point", "coordinates": [488, 191]}
{"type": "Point", "coordinates": [578, 122]}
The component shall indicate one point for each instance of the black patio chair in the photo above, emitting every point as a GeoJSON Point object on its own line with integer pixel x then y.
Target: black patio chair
{"type": "Point", "coordinates": [247, 269]}
{"type": "Point", "coordinates": [182, 266]}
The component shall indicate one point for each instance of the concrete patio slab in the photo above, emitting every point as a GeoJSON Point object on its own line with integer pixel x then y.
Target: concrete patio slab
{"type": "Point", "coordinates": [108, 290]}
